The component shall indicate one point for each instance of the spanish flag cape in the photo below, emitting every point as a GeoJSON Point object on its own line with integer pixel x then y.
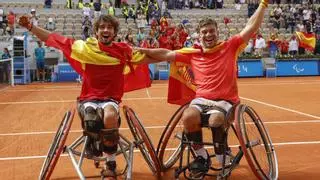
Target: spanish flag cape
{"type": "Point", "coordinates": [182, 88]}
{"type": "Point", "coordinates": [307, 40]}
{"type": "Point", "coordinates": [91, 52]}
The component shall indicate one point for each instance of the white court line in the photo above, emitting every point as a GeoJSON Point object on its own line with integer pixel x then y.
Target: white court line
{"type": "Point", "coordinates": [148, 94]}
{"type": "Point", "coordinates": [51, 88]}
{"type": "Point", "coordinates": [167, 149]}
{"type": "Point", "coordinates": [280, 107]}
{"type": "Point", "coordinates": [159, 98]}
{"type": "Point", "coordinates": [150, 127]}
{"type": "Point", "coordinates": [68, 101]}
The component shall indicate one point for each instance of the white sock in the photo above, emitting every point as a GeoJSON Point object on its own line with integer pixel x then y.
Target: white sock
{"type": "Point", "coordinates": [202, 152]}
{"type": "Point", "coordinates": [219, 158]}
{"type": "Point", "coordinates": [111, 157]}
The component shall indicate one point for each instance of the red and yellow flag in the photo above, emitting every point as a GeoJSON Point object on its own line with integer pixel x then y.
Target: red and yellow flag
{"type": "Point", "coordinates": [91, 51]}
{"type": "Point", "coordinates": [181, 83]}
{"type": "Point", "coordinates": [182, 88]}
{"type": "Point", "coordinates": [307, 40]}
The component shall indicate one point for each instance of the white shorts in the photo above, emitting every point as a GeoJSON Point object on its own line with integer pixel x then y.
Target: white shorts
{"type": "Point", "coordinates": [202, 101]}
{"type": "Point", "coordinates": [101, 104]}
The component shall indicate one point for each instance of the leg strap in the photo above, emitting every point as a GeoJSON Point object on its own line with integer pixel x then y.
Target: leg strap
{"type": "Point", "coordinates": [197, 138]}
{"type": "Point", "coordinates": [110, 139]}
{"type": "Point", "coordinates": [219, 136]}
{"type": "Point", "coordinates": [93, 121]}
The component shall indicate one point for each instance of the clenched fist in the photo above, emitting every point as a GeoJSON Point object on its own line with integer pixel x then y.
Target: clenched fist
{"type": "Point", "coordinates": [24, 21]}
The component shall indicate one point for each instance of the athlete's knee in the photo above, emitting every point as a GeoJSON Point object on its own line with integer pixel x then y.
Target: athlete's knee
{"type": "Point", "coordinates": [110, 139]}
{"type": "Point", "coordinates": [191, 118]}
{"type": "Point", "coordinates": [92, 119]}
{"type": "Point", "coordinates": [111, 117]}
{"type": "Point", "coordinates": [216, 119]}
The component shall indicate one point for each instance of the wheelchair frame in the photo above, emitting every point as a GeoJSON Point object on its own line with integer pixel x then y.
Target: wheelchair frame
{"type": "Point", "coordinates": [126, 148]}
{"type": "Point", "coordinates": [246, 147]}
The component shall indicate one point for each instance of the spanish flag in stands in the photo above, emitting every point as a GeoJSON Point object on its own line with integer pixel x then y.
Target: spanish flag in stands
{"type": "Point", "coordinates": [307, 40]}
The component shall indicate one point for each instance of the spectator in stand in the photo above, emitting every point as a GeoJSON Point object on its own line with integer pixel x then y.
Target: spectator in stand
{"type": "Point", "coordinates": [117, 3]}
{"type": "Point", "coordinates": [125, 12]}
{"type": "Point", "coordinates": [293, 46]}
{"type": "Point", "coordinates": [291, 22]}
{"type": "Point", "coordinates": [176, 43]}
{"type": "Point", "coordinates": [249, 48]}
{"type": "Point", "coordinates": [69, 4]}
{"type": "Point", "coordinates": [220, 4]}
{"type": "Point", "coordinates": [5, 67]}
{"type": "Point", "coordinates": [163, 24]}
{"type": "Point", "coordinates": [284, 46]}
{"type": "Point", "coordinates": [11, 23]}
{"type": "Point", "coordinates": [145, 42]}
{"type": "Point", "coordinates": [260, 44]}
{"type": "Point", "coordinates": [2, 21]}
{"type": "Point", "coordinates": [306, 13]}
{"type": "Point", "coordinates": [163, 7]}
{"type": "Point", "coordinates": [129, 38]}
{"type": "Point", "coordinates": [317, 26]}
{"type": "Point", "coordinates": [211, 4]}
{"type": "Point", "coordinates": [154, 31]}
{"type": "Point", "coordinates": [50, 25]}
{"type": "Point", "coordinates": [152, 11]}
{"type": "Point", "coordinates": [86, 28]}
{"type": "Point", "coordinates": [86, 10]}
{"type": "Point", "coordinates": [47, 3]}
{"type": "Point", "coordinates": [97, 8]}
{"type": "Point", "coordinates": [141, 19]}
{"type": "Point", "coordinates": [273, 44]}
{"type": "Point", "coordinates": [195, 38]}
{"type": "Point", "coordinates": [132, 13]}
{"type": "Point", "coordinates": [110, 9]}
{"type": "Point", "coordinates": [34, 18]}
{"type": "Point", "coordinates": [300, 26]}
{"type": "Point", "coordinates": [317, 48]}
{"type": "Point", "coordinates": [6, 54]}
{"type": "Point", "coordinates": [153, 43]}
{"type": "Point", "coordinates": [140, 36]}
{"type": "Point", "coordinates": [80, 4]}
{"type": "Point", "coordinates": [237, 5]}
{"type": "Point", "coordinates": [182, 34]}
{"type": "Point", "coordinates": [188, 42]}
{"type": "Point", "coordinates": [39, 53]}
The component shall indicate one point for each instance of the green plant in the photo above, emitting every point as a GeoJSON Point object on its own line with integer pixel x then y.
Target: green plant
{"type": "Point", "coordinates": [249, 56]}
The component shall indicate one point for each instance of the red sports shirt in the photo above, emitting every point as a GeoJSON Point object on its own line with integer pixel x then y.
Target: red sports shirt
{"type": "Point", "coordinates": [215, 73]}
{"type": "Point", "coordinates": [100, 82]}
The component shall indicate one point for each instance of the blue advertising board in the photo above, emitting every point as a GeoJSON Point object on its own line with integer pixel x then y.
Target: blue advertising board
{"type": "Point", "coordinates": [298, 68]}
{"type": "Point", "coordinates": [250, 68]}
{"type": "Point", "coordinates": [66, 72]}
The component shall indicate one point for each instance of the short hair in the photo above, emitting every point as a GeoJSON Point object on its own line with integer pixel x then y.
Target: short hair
{"type": "Point", "coordinates": [205, 22]}
{"type": "Point", "coordinates": [106, 18]}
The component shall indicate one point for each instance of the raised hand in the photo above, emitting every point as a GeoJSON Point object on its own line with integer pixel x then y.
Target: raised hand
{"type": "Point", "coordinates": [24, 21]}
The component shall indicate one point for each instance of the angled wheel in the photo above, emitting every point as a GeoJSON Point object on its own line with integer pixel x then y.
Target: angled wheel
{"type": "Point", "coordinates": [57, 146]}
{"type": "Point", "coordinates": [256, 143]}
{"type": "Point", "coordinates": [142, 140]}
{"type": "Point", "coordinates": [170, 147]}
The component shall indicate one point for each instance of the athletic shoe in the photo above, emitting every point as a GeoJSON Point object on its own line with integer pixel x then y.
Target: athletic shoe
{"type": "Point", "coordinates": [199, 167]}
{"type": "Point", "coordinates": [110, 170]}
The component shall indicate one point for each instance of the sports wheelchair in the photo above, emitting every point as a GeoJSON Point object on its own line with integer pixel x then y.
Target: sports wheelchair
{"type": "Point", "coordinates": [78, 148]}
{"type": "Point", "coordinates": [249, 131]}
